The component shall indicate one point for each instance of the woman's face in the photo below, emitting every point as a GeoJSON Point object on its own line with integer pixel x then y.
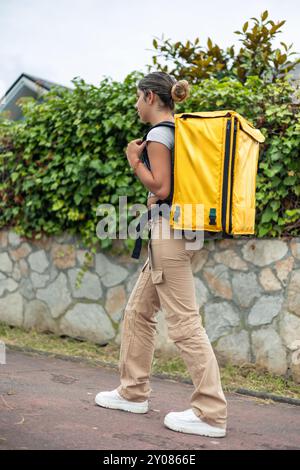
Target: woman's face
{"type": "Point", "coordinates": [142, 106]}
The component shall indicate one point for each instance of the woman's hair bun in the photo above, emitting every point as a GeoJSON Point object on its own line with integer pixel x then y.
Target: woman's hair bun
{"type": "Point", "coordinates": [180, 91]}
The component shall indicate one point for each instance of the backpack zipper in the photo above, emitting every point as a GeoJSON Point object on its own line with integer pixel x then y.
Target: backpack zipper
{"type": "Point", "coordinates": [185, 116]}
{"type": "Point", "coordinates": [232, 173]}
{"type": "Point", "coordinates": [225, 174]}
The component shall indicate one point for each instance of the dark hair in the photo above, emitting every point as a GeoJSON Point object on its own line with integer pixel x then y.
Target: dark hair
{"type": "Point", "coordinates": [166, 87]}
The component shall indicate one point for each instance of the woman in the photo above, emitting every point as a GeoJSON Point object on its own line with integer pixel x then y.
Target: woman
{"type": "Point", "coordinates": [165, 281]}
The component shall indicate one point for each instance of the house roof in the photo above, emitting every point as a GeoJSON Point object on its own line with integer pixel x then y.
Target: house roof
{"type": "Point", "coordinates": [47, 84]}
{"type": "Point", "coordinates": [25, 85]}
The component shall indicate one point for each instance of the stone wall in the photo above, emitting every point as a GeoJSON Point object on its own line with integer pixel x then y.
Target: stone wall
{"type": "Point", "coordinates": [248, 292]}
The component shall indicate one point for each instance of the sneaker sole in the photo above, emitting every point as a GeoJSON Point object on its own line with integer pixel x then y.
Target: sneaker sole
{"type": "Point", "coordinates": [182, 428]}
{"type": "Point", "coordinates": [116, 405]}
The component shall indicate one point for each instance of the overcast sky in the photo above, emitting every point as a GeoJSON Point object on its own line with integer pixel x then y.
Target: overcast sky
{"type": "Point", "coordinates": [60, 39]}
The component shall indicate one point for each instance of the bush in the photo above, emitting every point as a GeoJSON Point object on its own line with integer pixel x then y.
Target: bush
{"type": "Point", "coordinates": [68, 155]}
{"type": "Point", "coordinates": [258, 55]}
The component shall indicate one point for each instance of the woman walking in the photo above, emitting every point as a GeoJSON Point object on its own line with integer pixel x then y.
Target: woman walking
{"type": "Point", "coordinates": [165, 282]}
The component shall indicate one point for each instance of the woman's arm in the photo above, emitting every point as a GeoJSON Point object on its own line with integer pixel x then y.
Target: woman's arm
{"type": "Point", "coordinates": [158, 180]}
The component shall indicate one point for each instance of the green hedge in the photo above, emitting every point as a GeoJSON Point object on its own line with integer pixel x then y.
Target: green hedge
{"type": "Point", "coordinates": [68, 155]}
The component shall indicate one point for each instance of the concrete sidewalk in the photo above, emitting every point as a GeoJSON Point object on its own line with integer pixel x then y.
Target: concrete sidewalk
{"type": "Point", "coordinates": [48, 403]}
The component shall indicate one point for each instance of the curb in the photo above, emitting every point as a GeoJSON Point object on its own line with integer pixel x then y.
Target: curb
{"type": "Point", "coordinates": [110, 365]}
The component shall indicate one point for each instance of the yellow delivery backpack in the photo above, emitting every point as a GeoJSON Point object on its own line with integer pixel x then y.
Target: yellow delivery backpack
{"type": "Point", "coordinates": [214, 168]}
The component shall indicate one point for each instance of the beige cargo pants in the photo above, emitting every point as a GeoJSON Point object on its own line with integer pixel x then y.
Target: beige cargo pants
{"type": "Point", "coordinates": [166, 282]}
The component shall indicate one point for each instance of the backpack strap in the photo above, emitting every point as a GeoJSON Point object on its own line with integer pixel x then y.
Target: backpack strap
{"type": "Point", "coordinates": [145, 158]}
{"type": "Point", "coordinates": [146, 216]}
{"type": "Point", "coordinates": [151, 213]}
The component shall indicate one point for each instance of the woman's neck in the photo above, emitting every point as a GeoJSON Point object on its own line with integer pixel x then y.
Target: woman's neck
{"type": "Point", "coordinates": [157, 119]}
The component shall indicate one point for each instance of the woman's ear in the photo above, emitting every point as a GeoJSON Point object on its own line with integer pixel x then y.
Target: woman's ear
{"type": "Point", "coordinates": [150, 94]}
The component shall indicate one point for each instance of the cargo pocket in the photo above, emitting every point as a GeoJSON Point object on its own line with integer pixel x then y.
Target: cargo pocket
{"type": "Point", "coordinates": [157, 276]}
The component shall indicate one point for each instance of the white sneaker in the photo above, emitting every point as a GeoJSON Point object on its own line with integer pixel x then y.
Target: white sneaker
{"type": "Point", "coordinates": [187, 421]}
{"type": "Point", "coordinates": [114, 400]}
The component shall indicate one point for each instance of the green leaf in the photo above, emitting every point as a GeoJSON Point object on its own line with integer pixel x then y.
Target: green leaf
{"type": "Point", "coordinates": [57, 205]}
{"type": "Point", "coordinates": [263, 230]}
{"type": "Point", "coordinates": [275, 205]}
{"type": "Point", "coordinates": [245, 27]}
{"type": "Point", "coordinates": [290, 180]}
{"type": "Point", "coordinates": [267, 215]}
{"type": "Point", "coordinates": [77, 198]}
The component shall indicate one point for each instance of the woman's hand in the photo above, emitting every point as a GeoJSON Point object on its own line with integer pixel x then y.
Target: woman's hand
{"type": "Point", "coordinates": [134, 151]}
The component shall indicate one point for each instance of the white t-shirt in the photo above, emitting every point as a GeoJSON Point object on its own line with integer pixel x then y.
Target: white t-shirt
{"type": "Point", "coordinates": [164, 135]}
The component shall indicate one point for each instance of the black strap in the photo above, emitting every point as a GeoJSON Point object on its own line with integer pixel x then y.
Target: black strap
{"type": "Point", "coordinates": [145, 217]}
{"type": "Point", "coordinates": [226, 235]}
{"type": "Point", "coordinates": [139, 229]}
{"type": "Point", "coordinates": [145, 158]}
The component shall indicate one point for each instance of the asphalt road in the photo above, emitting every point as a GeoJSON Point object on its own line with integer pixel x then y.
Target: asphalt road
{"type": "Point", "coordinates": [48, 403]}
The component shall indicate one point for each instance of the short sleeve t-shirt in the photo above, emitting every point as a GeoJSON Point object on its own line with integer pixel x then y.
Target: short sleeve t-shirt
{"type": "Point", "coordinates": [164, 135]}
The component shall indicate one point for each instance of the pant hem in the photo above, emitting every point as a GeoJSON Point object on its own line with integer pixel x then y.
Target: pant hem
{"type": "Point", "coordinates": [207, 420]}
{"type": "Point", "coordinates": [123, 395]}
